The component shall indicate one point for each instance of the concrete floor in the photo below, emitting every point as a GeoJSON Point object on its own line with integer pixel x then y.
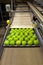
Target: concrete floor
{"type": "Point", "coordinates": [22, 56]}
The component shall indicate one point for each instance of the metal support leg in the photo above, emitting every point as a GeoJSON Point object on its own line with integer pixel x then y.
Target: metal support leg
{"type": "Point", "coordinates": [11, 5]}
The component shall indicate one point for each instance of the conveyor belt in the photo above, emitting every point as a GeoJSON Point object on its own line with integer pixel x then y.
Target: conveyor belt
{"type": "Point", "coordinates": [22, 19]}
{"type": "Point", "coordinates": [22, 9]}
{"type": "Point", "coordinates": [17, 56]}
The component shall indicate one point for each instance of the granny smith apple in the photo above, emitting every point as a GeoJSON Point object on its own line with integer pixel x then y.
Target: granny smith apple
{"type": "Point", "coordinates": [7, 37]}
{"type": "Point", "coordinates": [26, 39]}
{"type": "Point", "coordinates": [15, 38]}
{"type": "Point", "coordinates": [16, 34]}
{"type": "Point", "coordinates": [15, 29]}
{"type": "Point", "coordinates": [21, 39]}
{"type": "Point", "coordinates": [30, 29]}
{"type": "Point", "coordinates": [30, 42]}
{"type": "Point", "coordinates": [18, 42]}
{"type": "Point", "coordinates": [23, 36]}
{"type": "Point", "coordinates": [23, 43]}
{"type": "Point", "coordinates": [12, 34]}
{"type": "Point", "coordinates": [12, 29]}
{"type": "Point", "coordinates": [34, 36]}
{"type": "Point", "coordinates": [10, 39]}
{"type": "Point", "coordinates": [27, 29]}
{"type": "Point", "coordinates": [32, 39]}
{"type": "Point", "coordinates": [12, 42]}
{"type": "Point", "coordinates": [31, 32]}
{"type": "Point", "coordinates": [6, 42]}
{"type": "Point", "coordinates": [18, 37]}
{"type": "Point", "coordinates": [36, 42]}
{"type": "Point", "coordinates": [26, 34]}
{"type": "Point", "coordinates": [30, 36]}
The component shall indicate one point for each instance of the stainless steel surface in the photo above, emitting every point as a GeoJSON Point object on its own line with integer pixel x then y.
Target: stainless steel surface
{"type": "Point", "coordinates": [36, 12]}
{"type": "Point", "coordinates": [39, 8]}
{"type": "Point", "coordinates": [22, 20]}
{"type": "Point", "coordinates": [22, 56]}
{"type": "Point", "coordinates": [39, 37]}
{"type": "Point", "coordinates": [22, 8]}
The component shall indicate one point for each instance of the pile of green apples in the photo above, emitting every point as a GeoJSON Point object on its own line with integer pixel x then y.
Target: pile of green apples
{"type": "Point", "coordinates": [21, 36]}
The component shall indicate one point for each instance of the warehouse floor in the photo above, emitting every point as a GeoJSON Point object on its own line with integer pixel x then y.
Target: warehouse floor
{"type": "Point", "coordinates": [22, 56]}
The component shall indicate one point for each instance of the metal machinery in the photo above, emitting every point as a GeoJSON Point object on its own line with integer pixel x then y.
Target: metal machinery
{"type": "Point", "coordinates": [37, 21]}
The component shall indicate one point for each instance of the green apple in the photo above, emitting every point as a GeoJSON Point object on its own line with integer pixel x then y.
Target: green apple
{"type": "Point", "coordinates": [32, 39]}
{"type": "Point", "coordinates": [30, 42]}
{"type": "Point", "coordinates": [6, 42]}
{"type": "Point", "coordinates": [12, 29]}
{"type": "Point", "coordinates": [18, 42]}
{"type": "Point", "coordinates": [7, 37]}
{"type": "Point", "coordinates": [11, 32]}
{"type": "Point", "coordinates": [16, 34]}
{"type": "Point", "coordinates": [15, 38]}
{"type": "Point", "coordinates": [29, 37]}
{"type": "Point", "coordinates": [19, 36]}
{"type": "Point", "coordinates": [27, 28]}
{"type": "Point", "coordinates": [15, 29]}
{"type": "Point", "coordinates": [12, 42]}
{"type": "Point", "coordinates": [26, 39]}
{"type": "Point", "coordinates": [19, 29]}
{"type": "Point", "coordinates": [23, 43]}
{"type": "Point", "coordinates": [26, 34]}
{"type": "Point", "coordinates": [34, 36]}
{"type": "Point", "coordinates": [31, 32]}
{"type": "Point", "coordinates": [21, 39]}
{"type": "Point", "coordinates": [30, 29]}
{"type": "Point", "coordinates": [36, 42]}
{"type": "Point", "coordinates": [23, 36]}
{"type": "Point", "coordinates": [10, 39]}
